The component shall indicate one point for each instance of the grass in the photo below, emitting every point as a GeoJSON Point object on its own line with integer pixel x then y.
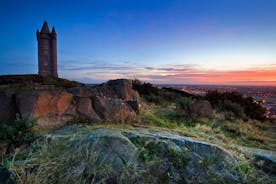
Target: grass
{"type": "Point", "coordinates": [53, 163]}
{"type": "Point", "coordinates": [251, 133]}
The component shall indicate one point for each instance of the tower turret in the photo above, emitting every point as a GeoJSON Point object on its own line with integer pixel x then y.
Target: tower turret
{"type": "Point", "coordinates": [47, 51]}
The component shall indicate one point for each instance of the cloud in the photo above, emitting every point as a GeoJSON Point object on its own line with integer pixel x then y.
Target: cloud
{"type": "Point", "coordinates": [177, 74]}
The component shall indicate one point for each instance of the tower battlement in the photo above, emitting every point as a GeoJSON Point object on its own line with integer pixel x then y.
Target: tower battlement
{"type": "Point", "coordinates": [47, 51]}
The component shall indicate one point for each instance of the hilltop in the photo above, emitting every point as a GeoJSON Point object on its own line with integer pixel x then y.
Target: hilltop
{"type": "Point", "coordinates": [31, 79]}
{"type": "Point", "coordinates": [54, 130]}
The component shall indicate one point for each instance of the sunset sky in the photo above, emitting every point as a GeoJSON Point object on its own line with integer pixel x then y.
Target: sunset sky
{"type": "Point", "coordinates": [160, 41]}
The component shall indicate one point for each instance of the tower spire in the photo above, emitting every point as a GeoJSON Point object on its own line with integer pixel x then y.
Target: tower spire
{"type": "Point", "coordinates": [53, 30]}
{"type": "Point", "coordinates": [45, 28]}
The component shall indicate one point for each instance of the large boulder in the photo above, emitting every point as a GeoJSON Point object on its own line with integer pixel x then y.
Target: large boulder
{"type": "Point", "coordinates": [113, 109]}
{"type": "Point", "coordinates": [7, 108]}
{"type": "Point", "coordinates": [51, 108]}
{"type": "Point", "coordinates": [200, 109]}
{"type": "Point", "coordinates": [136, 155]}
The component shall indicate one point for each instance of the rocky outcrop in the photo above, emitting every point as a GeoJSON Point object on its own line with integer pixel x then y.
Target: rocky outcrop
{"type": "Point", "coordinates": [143, 155]}
{"type": "Point", "coordinates": [114, 101]}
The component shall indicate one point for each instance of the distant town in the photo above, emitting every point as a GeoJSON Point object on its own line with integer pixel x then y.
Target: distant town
{"type": "Point", "coordinates": [264, 94]}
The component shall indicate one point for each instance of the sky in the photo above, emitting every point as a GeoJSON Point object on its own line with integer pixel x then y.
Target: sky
{"type": "Point", "coordinates": [229, 42]}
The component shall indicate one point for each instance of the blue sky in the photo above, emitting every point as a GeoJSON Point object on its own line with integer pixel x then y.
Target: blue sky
{"type": "Point", "coordinates": [161, 41]}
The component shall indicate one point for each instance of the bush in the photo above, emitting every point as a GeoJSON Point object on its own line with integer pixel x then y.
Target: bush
{"type": "Point", "coordinates": [144, 88]}
{"type": "Point", "coordinates": [159, 96]}
{"type": "Point", "coordinates": [154, 99]}
{"type": "Point", "coordinates": [236, 109]}
{"type": "Point", "coordinates": [183, 103]}
{"type": "Point", "coordinates": [18, 132]}
{"type": "Point", "coordinates": [251, 108]}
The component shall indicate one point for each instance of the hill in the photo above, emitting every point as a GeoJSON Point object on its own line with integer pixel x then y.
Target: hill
{"type": "Point", "coordinates": [127, 131]}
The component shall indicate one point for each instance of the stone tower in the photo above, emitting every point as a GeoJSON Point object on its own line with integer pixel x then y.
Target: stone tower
{"type": "Point", "coordinates": [47, 51]}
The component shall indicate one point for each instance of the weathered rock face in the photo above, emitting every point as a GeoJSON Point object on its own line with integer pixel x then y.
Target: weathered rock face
{"type": "Point", "coordinates": [84, 108]}
{"type": "Point", "coordinates": [51, 108]}
{"type": "Point", "coordinates": [114, 101]}
{"type": "Point", "coordinates": [7, 108]}
{"type": "Point", "coordinates": [111, 101]}
{"type": "Point", "coordinates": [144, 156]}
{"type": "Point", "coordinates": [110, 109]}
{"type": "Point", "coordinates": [200, 109]}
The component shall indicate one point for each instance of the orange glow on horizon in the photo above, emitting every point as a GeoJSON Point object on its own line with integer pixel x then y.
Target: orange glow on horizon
{"type": "Point", "coordinates": [240, 77]}
{"type": "Point", "coordinates": [261, 76]}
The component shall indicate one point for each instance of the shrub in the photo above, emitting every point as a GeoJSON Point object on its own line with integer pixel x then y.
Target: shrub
{"type": "Point", "coordinates": [183, 103]}
{"type": "Point", "coordinates": [235, 108]}
{"type": "Point", "coordinates": [18, 132]}
{"type": "Point", "coordinates": [159, 96]}
{"type": "Point", "coordinates": [144, 88]}
{"type": "Point", "coordinates": [152, 98]}
{"type": "Point", "coordinates": [251, 108]}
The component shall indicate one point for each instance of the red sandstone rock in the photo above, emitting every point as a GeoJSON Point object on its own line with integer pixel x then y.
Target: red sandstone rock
{"type": "Point", "coordinates": [51, 108]}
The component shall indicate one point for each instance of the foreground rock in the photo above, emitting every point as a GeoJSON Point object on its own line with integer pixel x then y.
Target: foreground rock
{"type": "Point", "coordinates": [135, 156]}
